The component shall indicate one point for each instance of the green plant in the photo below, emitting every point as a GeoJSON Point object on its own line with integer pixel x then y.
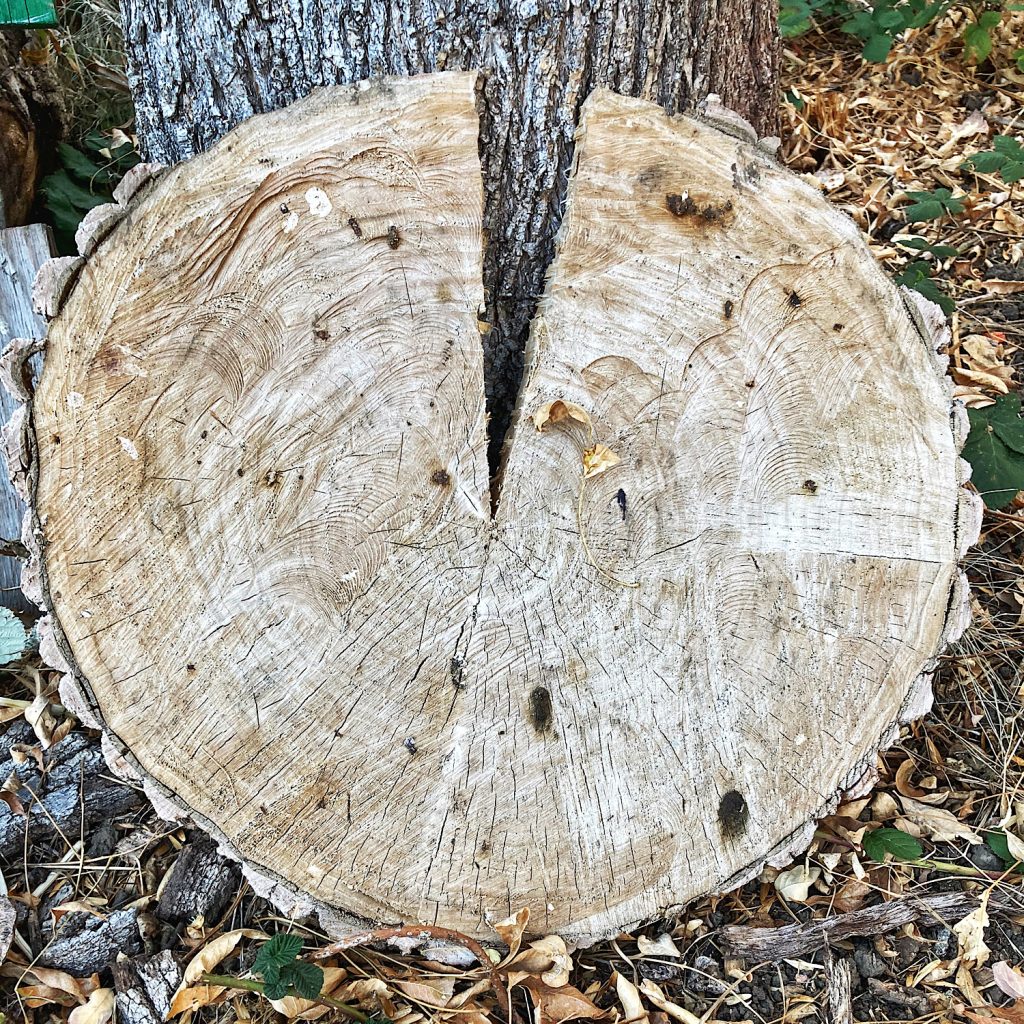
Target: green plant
{"type": "Point", "coordinates": [997, 842]}
{"type": "Point", "coordinates": [978, 34]}
{"type": "Point", "coordinates": [932, 205]}
{"type": "Point", "coordinates": [995, 450]}
{"type": "Point", "coordinates": [797, 16]}
{"type": "Point", "coordinates": [878, 25]}
{"type": "Point", "coordinates": [1005, 158]}
{"type": "Point", "coordinates": [891, 840]}
{"type": "Point", "coordinates": [278, 964]}
{"type": "Point", "coordinates": [86, 178]}
{"type": "Point", "coordinates": [918, 273]}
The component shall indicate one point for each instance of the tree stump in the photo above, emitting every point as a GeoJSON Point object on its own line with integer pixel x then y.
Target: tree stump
{"type": "Point", "coordinates": [712, 577]}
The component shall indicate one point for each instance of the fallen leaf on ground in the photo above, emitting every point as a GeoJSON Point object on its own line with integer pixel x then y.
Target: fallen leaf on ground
{"type": "Point", "coordinates": [510, 931]}
{"type": "Point", "coordinates": [294, 1007]}
{"type": "Point", "coordinates": [98, 1010]}
{"type": "Point", "coordinates": [1009, 979]}
{"type": "Point", "coordinates": [661, 946]}
{"type": "Point", "coordinates": [632, 1004]}
{"type": "Point", "coordinates": [940, 825]}
{"type": "Point", "coordinates": [547, 957]}
{"type": "Point", "coordinates": [674, 1010]}
{"type": "Point", "coordinates": [970, 933]}
{"type": "Point", "coordinates": [562, 1003]}
{"type": "Point", "coordinates": [795, 884]}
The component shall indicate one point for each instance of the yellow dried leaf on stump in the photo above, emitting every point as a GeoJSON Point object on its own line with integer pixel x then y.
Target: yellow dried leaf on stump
{"type": "Point", "coordinates": [598, 459]}
{"type": "Point", "coordinates": [559, 410]}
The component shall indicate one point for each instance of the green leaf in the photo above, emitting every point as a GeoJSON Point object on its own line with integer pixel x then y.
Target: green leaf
{"type": "Point", "coordinates": [989, 19]}
{"type": "Point", "coordinates": [1012, 171]}
{"type": "Point", "coordinates": [995, 450]}
{"type": "Point", "coordinates": [978, 41]}
{"type": "Point", "coordinates": [276, 989]}
{"type": "Point", "coordinates": [987, 162]}
{"type": "Point", "coordinates": [930, 290]}
{"type": "Point", "coordinates": [1009, 146]}
{"type": "Point", "coordinates": [930, 209]}
{"type": "Point", "coordinates": [877, 48]}
{"type": "Point", "coordinates": [306, 979]}
{"type": "Point", "coordinates": [891, 840]}
{"type": "Point", "coordinates": [923, 245]}
{"type": "Point", "coordinates": [996, 842]}
{"type": "Point", "coordinates": [277, 952]}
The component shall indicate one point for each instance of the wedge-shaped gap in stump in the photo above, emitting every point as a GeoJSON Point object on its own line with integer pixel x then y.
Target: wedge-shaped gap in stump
{"type": "Point", "coordinates": [715, 581]}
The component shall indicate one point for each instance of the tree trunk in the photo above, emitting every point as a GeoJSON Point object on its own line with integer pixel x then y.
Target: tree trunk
{"type": "Point", "coordinates": [199, 68]}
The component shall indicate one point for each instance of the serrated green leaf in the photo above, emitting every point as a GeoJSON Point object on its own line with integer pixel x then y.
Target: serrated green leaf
{"type": "Point", "coordinates": [891, 840]}
{"type": "Point", "coordinates": [276, 953]}
{"type": "Point", "coordinates": [995, 450]}
{"type": "Point", "coordinates": [890, 19]}
{"type": "Point", "coordinates": [1009, 146]}
{"type": "Point", "coordinates": [276, 989]}
{"type": "Point", "coordinates": [877, 48]}
{"type": "Point", "coordinates": [306, 979]}
{"type": "Point", "coordinates": [1012, 171]}
{"type": "Point", "coordinates": [987, 162]}
{"type": "Point", "coordinates": [929, 209]}
{"type": "Point", "coordinates": [978, 41]}
{"type": "Point", "coordinates": [989, 19]}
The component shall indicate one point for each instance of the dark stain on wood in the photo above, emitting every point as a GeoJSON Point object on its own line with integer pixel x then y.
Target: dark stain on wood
{"type": "Point", "coordinates": [794, 300]}
{"type": "Point", "coordinates": [456, 671]}
{"type": "Point", "coordinates": [810, 486]}
{"type": "Point", "coordinates": [541, 709]}
{"type": "Point", "coordinates": [394, 238]}
{"type": "Point", "coordinates": [728, 308]}
{"type": "Point", "coordinates": [707, 211]}
{"type": "Point", "coordinates": [355, 226]}
{"type": "Point", "coordinates": [733, 814]}
{"type": "Point", "coordinates": [440, 477]}
{"type": "Point", "coordinates": [620, 497]}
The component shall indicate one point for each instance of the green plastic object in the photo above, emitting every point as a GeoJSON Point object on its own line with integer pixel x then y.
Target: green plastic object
{"type": "Point", "coordinates": [28, 13]}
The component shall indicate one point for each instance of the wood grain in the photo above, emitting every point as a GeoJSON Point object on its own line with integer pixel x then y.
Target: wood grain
{"type": "Point", "coordinates": [263, 485]}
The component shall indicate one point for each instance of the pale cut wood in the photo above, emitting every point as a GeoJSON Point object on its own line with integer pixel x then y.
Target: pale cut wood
{"type": "Point", "coordinates": [23, 250]}
{"type": "Point", "coordinates": [263, 484]}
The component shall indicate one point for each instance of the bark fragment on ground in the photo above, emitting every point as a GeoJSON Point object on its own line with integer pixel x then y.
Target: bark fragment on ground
{"type": "Point", "coordinates": [201, 883]}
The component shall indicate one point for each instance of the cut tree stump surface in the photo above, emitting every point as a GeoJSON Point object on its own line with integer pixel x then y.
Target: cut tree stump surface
{"type": "Point", "coordinates": [269, 545]}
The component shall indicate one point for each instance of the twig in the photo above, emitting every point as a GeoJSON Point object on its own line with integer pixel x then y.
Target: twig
{"type": "Point", "coordinates": [794, 940]}
{"type": "Point", "coordinates": [251, 985]}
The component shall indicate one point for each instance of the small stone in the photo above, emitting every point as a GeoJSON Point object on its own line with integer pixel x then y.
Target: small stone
{"type": "Point", "coordinates": [869, 963]}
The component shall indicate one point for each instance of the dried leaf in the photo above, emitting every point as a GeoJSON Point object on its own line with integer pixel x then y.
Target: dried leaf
{"type": "Point", "coordinates": [661, 946]}
{"type": "Point", "coordinates": [38, 715]}
{"type": "Point", "coordinates": [1015, 846]}
{"type": "Point", "coordinates": [511, 930]}
{"type": "Point", "coordinates": [1014, 1014]}
{"type": "Point", "coordinates": [940, 825]}
{"type": "Point", "coordinates": [598, 459]}
{"type": "Point", "coordinates": [61, 981]}
{"type": "Point", "coordinates": [562, 1003]}
{"type": "Point", "coordinates": [1009, 979]}
{"type": "Point", "coordinates": [191, 996]}
{"type": "Point", "coordinates": [98, 1010]}
{"type": "Point", "coordinates": [632, 1004]}
{"type": "Point", "coordinates": [795, 884]}
{"type": "Point", "coordinates": [674, 1010]}
{"type": "Point", "coordinates": [970, 933]}
{"type": "Point", "coordinates": [559, 410]}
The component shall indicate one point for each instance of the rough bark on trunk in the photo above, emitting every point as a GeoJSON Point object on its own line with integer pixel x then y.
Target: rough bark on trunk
{"type": "Point", "coordinates": [722, 561]}
{"type": "Point", "coordinates": [199, 68]}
